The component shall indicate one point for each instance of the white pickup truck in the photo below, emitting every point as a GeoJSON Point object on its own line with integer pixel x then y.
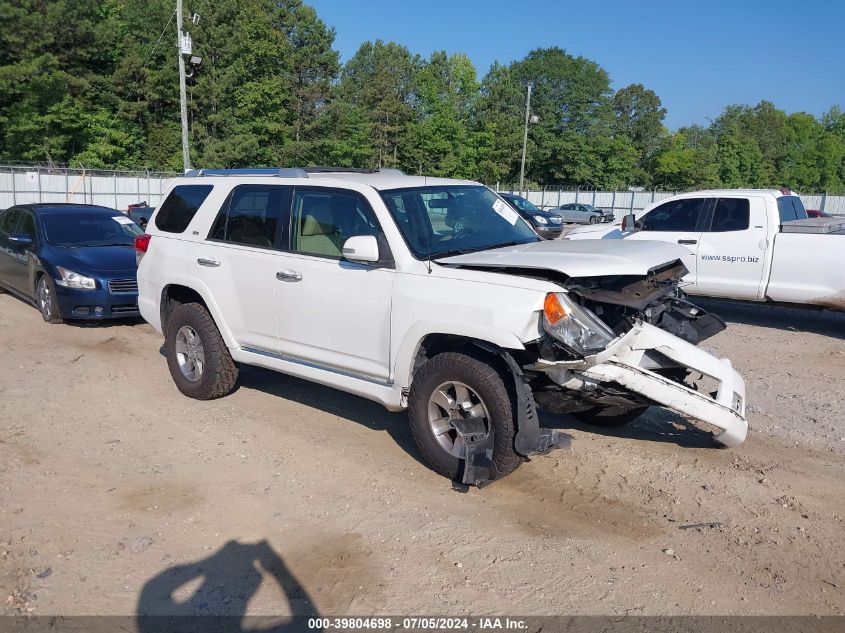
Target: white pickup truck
{"type": "Point", "coordinates": [752, 245]}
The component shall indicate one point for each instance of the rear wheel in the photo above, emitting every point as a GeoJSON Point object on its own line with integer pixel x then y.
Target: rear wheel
{"type": "Point", "coordinates": [608, 416]}
{"type": "Point", "coordinates": [451, 386]}
{"type": "Point", "coordinates": [197, 356]}
{"type": "Point", "coordinates": [45, 297]}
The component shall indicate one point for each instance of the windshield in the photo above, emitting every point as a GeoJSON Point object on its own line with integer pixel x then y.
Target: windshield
{"type": "Point", "coordinates": [451, 219]}
{"type": "Point", "coordinates": [521, 203]}
{"type": "Point", "coordinates": [76, 230]}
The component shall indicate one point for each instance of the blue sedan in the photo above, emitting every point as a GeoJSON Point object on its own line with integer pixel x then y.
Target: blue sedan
{"type": "Point", "coordinates": [72, 261]}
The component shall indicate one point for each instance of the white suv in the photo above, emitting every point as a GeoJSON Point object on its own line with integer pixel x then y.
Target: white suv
{"type": "Point", "coordinates": [425, 294]}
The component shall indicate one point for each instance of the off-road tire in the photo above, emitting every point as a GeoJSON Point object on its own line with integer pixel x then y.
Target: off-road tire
{"type": "Point", "coordinates": [220, 373]}
{"type": "Point", "coordinates": [489, 384]}
{"type": "Point", "coordinates": [602, 416]}
{"type": "Point", "coordinates": [54, 317]}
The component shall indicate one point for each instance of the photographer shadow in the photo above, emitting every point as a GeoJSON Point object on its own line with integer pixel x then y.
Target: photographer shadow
{"type": "Point", "coordinates": [227, 580]}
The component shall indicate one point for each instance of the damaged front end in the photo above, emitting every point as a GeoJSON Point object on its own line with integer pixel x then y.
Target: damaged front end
{"type": "Point", "coordinates": [615, 345]}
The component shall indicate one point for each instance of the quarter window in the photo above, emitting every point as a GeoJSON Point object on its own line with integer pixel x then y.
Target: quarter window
{"type": "Point", "coordinates": [324, 220]}
{"type": "Point", "coordinates": [180, 207]}
{"type": "Point", "coordinates": [678, 215]}
{"type": "Point", "coordinates": [730, 214]}
{"type": "Point", "coordinates": [254, 215]}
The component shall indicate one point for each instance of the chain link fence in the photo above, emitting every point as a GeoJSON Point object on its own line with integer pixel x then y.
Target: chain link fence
{"type": "Point", "coordinates": [20, 184]}
{"type": "Point", "coordinates": [622, 202]}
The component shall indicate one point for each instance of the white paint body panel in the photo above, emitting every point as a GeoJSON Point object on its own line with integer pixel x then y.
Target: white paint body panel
{"type": "Point", "coordinates": [577, 258]}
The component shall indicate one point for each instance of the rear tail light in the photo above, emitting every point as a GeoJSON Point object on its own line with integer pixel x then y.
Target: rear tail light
{"type": "Point", "coordinates": [142, 243]}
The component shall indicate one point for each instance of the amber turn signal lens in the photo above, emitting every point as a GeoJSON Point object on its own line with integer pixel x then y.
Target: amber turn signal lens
{"type": "Point", "coordinates": [553, 309]}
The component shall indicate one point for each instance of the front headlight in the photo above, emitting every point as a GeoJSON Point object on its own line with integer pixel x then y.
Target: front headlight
{"type": "Point", "coordinates": [576, 327]}
{"type": "Point", "coordinates": [70, 279]}
{"type": "Point", "coordinates": [539, 219]}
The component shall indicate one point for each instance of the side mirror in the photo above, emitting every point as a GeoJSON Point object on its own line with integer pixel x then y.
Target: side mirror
{"type": "Point", "coordinates": [21, 239]}
{"type": "Point", "coordinates": [629, 223]}
{"type": "Point", "coordinates": [361, 248]}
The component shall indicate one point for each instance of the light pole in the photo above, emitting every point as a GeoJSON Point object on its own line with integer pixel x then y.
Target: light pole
{"type": "Point", "coordinates": [525, 136]}
{"type": "Point", "coordinates": [181, 46]}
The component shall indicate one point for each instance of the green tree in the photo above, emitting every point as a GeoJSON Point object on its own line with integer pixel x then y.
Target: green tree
{"type": "Point", "coordinates": [378, 83]}
{"type": "Point", "coordinates": [440, 140]}
{"type": "Point", "coordinates": [571, 97]}
{"type": "Point", "coordinates": [499, 125]}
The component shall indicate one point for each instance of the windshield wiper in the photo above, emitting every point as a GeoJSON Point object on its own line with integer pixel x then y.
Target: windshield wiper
{"type": "Point", "coordinates": [489, 247]}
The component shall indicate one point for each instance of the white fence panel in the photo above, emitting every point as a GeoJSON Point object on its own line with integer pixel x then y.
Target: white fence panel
{"type": "Point", "coordinates": [19, 185]}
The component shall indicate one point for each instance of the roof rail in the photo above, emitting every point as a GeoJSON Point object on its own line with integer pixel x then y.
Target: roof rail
{"type": "Point", "coordinates": [320, 169]}
{"type": "Point", "coordinates": [283, 172]}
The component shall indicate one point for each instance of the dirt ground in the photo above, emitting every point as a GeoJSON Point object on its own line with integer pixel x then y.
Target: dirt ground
{"type": "Point", "coordinates": [118, 495]}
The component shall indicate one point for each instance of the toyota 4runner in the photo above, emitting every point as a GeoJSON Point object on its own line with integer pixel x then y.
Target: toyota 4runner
{"type": "Point", "coordinates": [430, 295]}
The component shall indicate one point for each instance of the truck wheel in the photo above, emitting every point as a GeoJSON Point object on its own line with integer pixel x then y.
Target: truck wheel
{"type": "Point", "coordinates": [45, 297]}
{"type": "Point", "coordinates": [608, 417]}
{"type": "Point", "coordinates": [197, 356]}
{"type": "Point", "coordinates": [451, 385]}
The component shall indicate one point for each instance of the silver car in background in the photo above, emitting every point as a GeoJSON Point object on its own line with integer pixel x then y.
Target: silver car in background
{"type": "Point", "coordinates": [578, 213]}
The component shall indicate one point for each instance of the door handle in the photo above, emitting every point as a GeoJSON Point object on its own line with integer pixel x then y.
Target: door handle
{"type": "Point", "coordinates": [687, 241]}
{"type": "Point", "coordinates": [211, 263]}
{"type": "Point", "coordinates": [288, 275]}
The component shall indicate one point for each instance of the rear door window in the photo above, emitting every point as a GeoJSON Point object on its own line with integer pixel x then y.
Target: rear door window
{"type": "Point", "coordinates": [791, 208]}
{"type": "Point", "coordinates": [180, 207]}
{"type": "Point", "coordinates": [731, 214]}
{"type": "Point", "coordinates": [255, 215]}
{"type": "Point", "coordinates": [678, 215]}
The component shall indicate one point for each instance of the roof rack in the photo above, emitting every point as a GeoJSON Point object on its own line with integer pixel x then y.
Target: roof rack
{"type": "Point", "coordinates": [319, 169]}
{"type": "Point", "coordinates": [284, 172]}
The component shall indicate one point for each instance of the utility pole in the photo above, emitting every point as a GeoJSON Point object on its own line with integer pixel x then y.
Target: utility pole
{"type": "Point", "coordinates": [525, 137]}
{"type": "Point", "coordinates": [183, 98]}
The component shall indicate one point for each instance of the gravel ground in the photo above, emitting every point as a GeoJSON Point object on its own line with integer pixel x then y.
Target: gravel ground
{"type": "Point", "coordinates": [118, 495]}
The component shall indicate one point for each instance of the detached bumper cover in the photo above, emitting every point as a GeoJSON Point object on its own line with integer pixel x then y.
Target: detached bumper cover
{"type": "Point", "coordinates": [626, 360]}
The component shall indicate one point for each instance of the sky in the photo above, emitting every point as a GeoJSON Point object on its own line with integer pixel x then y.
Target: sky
{"type": "Point", "coordinates": [698, 56]}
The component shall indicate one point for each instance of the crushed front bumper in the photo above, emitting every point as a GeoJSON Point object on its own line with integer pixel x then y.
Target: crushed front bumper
{"type": "Point", "coordinates": [630, 360]}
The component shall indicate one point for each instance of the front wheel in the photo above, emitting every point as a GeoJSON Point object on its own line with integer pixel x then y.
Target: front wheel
{"type": "Point", "coordinates": [593, 219]}
{"type": "Point", "coordinates": [608, 417]}
{"type": "Point", "coordinates": [452, 386]}
{"type": "Point", "coordinates": [45, 297]}
{"type": "Point", "coordinates": [197, 356]}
